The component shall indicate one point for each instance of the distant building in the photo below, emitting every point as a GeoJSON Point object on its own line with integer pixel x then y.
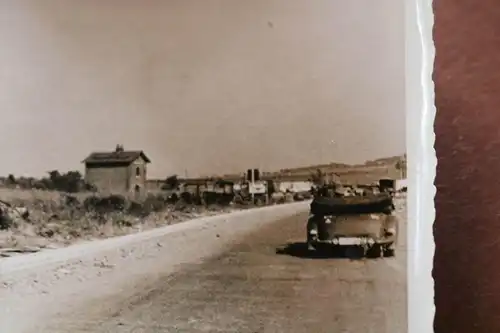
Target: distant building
{"type": "Point", "coordinates": [117, 171]}
{"type": "Point", "coordinates": [294, 186]}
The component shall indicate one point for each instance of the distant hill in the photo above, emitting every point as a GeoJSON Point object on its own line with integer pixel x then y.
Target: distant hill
{"type": "Point", "coordinates": [366, 173]}
{"type": "Point", "coordinates": [386, 160]}
{"type": "Point", "coordinates": [340, 167]}
{"type": "Point", "coordinates": [316, 166]}
{"type": "Point", "coordinates": [329, 167]}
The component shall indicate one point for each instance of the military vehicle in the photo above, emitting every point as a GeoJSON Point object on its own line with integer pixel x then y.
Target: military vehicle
{"type": "Point", "coordinates": [367, 223]}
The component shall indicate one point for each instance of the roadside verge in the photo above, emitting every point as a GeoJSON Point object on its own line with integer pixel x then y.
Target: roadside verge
{"type": "Point", "coordinates": [54, 280]}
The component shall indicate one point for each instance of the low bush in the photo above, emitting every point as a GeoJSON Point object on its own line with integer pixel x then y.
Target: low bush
{"type": "Point", "coordinates": [106, 204]}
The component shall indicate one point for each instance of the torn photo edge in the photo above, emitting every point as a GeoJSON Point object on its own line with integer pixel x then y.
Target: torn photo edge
{"type": "Point", "coordinates": [422, 162]}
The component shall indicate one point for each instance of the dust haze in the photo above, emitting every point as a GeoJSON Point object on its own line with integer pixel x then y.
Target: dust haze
{"type": "Point", "coordinates": [203, 86]}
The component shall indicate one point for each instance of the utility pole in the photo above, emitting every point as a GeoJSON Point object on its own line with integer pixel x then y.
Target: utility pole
{"type": "Point", "coordinates": [252, 180]}
{"type": "Point", "coordinates": [401, 165]}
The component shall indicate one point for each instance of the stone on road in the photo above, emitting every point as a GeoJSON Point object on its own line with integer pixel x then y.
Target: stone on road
{"type": "Point", "coordinates": [255, 287]}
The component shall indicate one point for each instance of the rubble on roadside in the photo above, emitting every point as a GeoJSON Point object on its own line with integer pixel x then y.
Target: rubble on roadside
{"type": "Point", "coordinates": [11, 215]}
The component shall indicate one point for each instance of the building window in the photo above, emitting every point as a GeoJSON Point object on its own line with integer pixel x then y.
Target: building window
{"type": "Point", "coordinates": [137, 171]}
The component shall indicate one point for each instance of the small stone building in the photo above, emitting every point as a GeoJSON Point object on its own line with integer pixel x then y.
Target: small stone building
{"type": "Point", "coordinates": [117, 171]}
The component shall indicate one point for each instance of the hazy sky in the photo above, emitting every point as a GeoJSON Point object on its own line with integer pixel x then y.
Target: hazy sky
{"type": "Point", "coordinates": [208, 86]}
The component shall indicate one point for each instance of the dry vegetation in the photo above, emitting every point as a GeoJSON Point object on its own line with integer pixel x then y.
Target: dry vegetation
{"type": "Point", "coordinates": [58, 219]}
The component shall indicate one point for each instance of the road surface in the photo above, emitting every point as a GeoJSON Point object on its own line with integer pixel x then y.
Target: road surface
{"type": "Point", "coordinates": [265, 283]}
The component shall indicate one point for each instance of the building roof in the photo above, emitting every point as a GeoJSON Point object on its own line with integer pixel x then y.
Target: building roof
{"type": "Point", "coordinates": [114, 157]}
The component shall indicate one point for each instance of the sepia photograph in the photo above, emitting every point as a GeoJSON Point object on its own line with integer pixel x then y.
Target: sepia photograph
{"type": "Point", "coordinates": [203, 166]}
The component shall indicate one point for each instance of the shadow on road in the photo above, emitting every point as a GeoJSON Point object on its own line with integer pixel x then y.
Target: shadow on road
{"type": "Point", "coordinates": [299, 250]}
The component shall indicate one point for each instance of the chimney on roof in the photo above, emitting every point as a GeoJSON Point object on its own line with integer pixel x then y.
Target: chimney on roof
{"type": "Point", "coordinates": [119, 148]}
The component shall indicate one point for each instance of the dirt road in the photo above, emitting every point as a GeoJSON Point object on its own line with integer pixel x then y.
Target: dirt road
{"type": "Point", "coordinates": [265, 283]}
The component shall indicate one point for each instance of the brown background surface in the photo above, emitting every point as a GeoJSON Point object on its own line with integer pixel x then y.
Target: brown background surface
{"type": "Point", "coordinates": [467, 228]}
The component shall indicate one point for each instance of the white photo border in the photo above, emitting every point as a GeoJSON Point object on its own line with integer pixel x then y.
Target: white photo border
{"type": "Point", "coordinates": [422, 161]}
